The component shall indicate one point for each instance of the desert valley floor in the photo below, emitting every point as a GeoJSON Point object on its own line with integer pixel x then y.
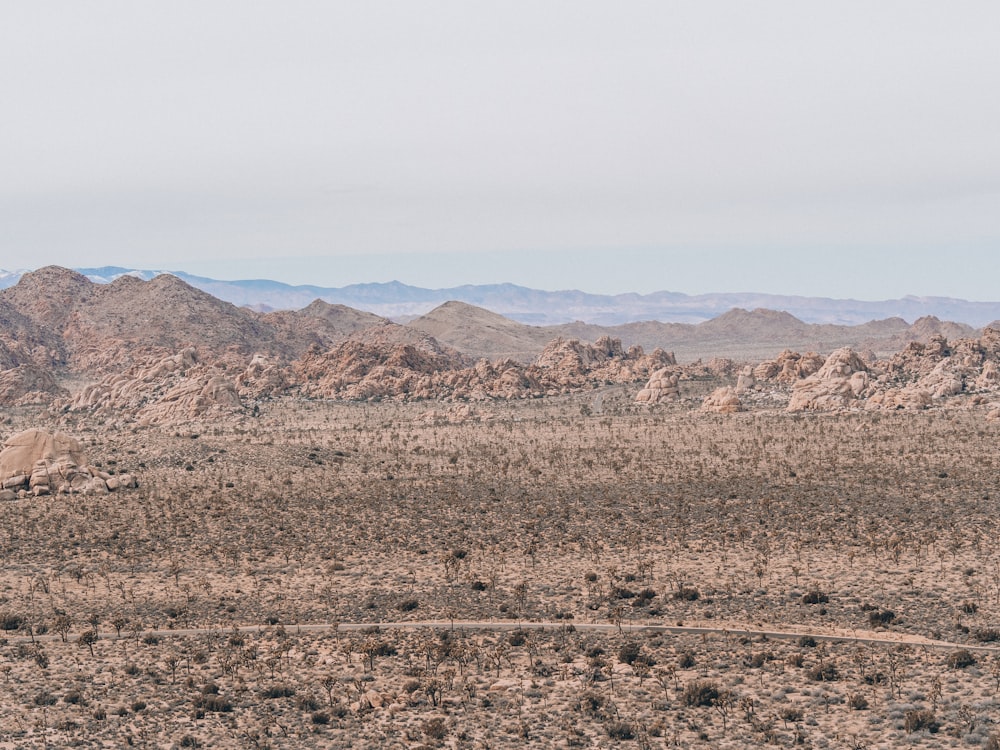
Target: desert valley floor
{"type": "Point", "coordinates": [306, 577]}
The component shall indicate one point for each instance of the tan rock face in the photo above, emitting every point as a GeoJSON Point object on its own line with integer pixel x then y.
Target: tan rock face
{"type": "Point", "coordinates": [663, 385]}
{"type": "Point", "coordinates": [161, 391]}
{"type": "Point", "coordinates": [839, 383]}
{"type": "Point", "coordinates": [24, 452]}
{"type": "Point", "coordinates": [44, 463]}
{"type": "Point", "coordinates": [789, 367]}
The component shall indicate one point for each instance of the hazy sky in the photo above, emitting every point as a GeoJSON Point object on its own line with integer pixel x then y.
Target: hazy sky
{"type": "Point", "coordinates": [837, 148]}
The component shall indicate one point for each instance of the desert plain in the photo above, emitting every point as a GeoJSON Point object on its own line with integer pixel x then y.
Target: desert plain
{"type": "Point", "coordinates": [571, 571]}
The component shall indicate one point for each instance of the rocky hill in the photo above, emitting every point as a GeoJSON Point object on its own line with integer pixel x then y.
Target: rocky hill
{"type": "Point", "coordinates": [481, 333]}
{"type": "Point", "coordinates": [159, 351]}
{"type": "Point", "coordinates": [964, 371]}
{"type": "Point", "coordinates": [743, 335]}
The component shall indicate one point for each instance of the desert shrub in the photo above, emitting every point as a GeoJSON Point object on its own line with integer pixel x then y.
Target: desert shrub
{"type": "Point", "coordinates": [138, 706]}
{"type": "Point", "coordinates": [478, 586]}
{"type": "Point", "coordinates": [986, 635]}
{"type": "Point", "coordinates": [279, 691]}
{"type": "Point", "coordinates": [100, 714]}
{"type": "Point", "coordinates": [407, 605]}
{"type": "Point", "coordinates": [815, 597]}
{"type": "Point", "coordinates": [970, 608]}
{"type": "Point", "coordinates": [685, 660]}
{"type": "Point", "coordinates": [629, 652]}
{"type": "Point", "coordinates": [647, 594]}
{"type": "Point", "coordinates": [620, 730]}
{"type": "Point", "coordinates": [961, 659]}
{"type": "Point", "coordinates": [590, 577]}
{"type": "Point", "coordinates": [10, 621]}
{"type": "Point", "coordinates": [517, 638]}
{"type": "Point", "coordinates": [700, 693]}
{"type": "Point", "coordinates": [75, 697]}
{"type": "Point", "coordinates": [795, 660]}
{"type": "Point", "coordinates": [621, 592]}
{"type": "Point", "coordinates": [435, 729]}
{"type": "Point", "coordinates": [993, 742]}
{"type": "Point", "coordinates": [320, 718]}
{"type": "Point", "coordinates": [857, 702]}
{"type": "Point", "coordinates": [188, 741]}
{"type": "Point", "coordinates": [45, 698]}
{"type": "Point", "coordinates": [807, 641]}
{"type": "Point", "coordinates": [823, 672]}
{"type": "Point", "coordinates": [791, 713]}
{"type": "Point", "coordinates": [880, 617]}
{"type": "Point", "coordinates": [307, 703]}
{"type": "Point", "coordinates": [339, 711]}
{"type": "Point", "coordinates": [214, 703]}
{"type": "Point", "coordinates": [918, 719]}
{"type": "Point", "coordinates": [591, 702]}
{"type": "Point", "coordinates": [759, 659]}
{"type": "Point", "coordinates": [687, 594]}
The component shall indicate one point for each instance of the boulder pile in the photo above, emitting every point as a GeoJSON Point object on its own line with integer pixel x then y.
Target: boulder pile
{"type": "Point", "coordinates": [37, 462]}
{"type": "Point", "coordinates": [163, 390]}
{"type": "Point", "coordinates": [841, 381]}
{"type": "Point", "coordinates": [723, 400]}
{"type": "Point", "coordinates": [663, 386]}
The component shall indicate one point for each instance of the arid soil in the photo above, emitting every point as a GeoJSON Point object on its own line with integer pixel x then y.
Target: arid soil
{"type": "Point", "coordinates": [574, 510]}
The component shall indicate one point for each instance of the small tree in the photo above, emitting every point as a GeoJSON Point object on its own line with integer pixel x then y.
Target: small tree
{"type": "Point", "coordinates": [88, 638]}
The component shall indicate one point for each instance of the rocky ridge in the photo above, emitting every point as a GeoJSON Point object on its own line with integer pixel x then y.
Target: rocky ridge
{"type": "Point", "coordinates": [160, 351]}
{"type": "Point", "coordinates": [919, 376]}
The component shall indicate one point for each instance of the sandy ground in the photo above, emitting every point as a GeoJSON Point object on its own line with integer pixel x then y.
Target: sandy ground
{"type": "Point", "coordinates": [858, 525]}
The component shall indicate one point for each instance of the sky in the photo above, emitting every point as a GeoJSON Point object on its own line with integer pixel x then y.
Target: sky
{"type": "Point", "coordinates": [844, 149]}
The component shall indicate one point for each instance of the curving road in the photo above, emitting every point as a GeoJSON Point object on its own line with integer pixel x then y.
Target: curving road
{"type": "Point", "coordinates": [866, 637]}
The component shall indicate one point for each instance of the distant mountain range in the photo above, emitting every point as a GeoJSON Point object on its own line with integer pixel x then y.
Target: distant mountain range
{"type": "Point", "coordinates": [402, 302]}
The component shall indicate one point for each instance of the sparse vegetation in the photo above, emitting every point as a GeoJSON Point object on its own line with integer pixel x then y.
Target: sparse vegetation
{"type": "Point", "coordinates": [521, 530]}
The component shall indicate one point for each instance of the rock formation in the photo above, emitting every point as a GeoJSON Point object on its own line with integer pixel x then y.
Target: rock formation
{"type": "Point", "coordinates": [373, 367]}
{"type": "Point", "coordinates": [841, 380]}
{"type": "Point", "coordinates": [41, 463]}
{"type": "Point", "coordinates": [663, 386]}
{"type": "Point", "coordinates": [788, 367]}
{"type": "Point", "coordinates": [171, 389]}
{"type": "Point", "coordinates": [723, 400]}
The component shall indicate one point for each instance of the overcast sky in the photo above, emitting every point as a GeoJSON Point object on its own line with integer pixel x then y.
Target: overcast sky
{"type": "Point", "coordinates": [847, 149]}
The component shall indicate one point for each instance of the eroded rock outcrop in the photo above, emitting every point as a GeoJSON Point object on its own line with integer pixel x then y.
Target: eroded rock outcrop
{"type": "Point", "coordinates": [663, 386]}
{"type": "Point", "coordinates": [839, 383]}
{"type": "Point", "coordinates": [42, 463]}
{"type": "Point", "coordinates": [365, 369]}
{"type": "Point", "coordinates": [28, 384]}
{"type": "Point", "coordinates": [173, 389]}
{"type": "Point", "coordinates": [789, 367]}
{"type": "Point", "coordinates": [723, 400]}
